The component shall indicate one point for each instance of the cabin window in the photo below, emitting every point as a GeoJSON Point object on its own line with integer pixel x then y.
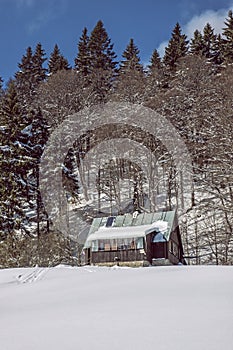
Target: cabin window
{"type": "Point", "coordinates": [107, 246]}
{"type": "Point", "coordinates": [94, 246]}
{"type": "Point", "coordinates": [140, 243]}
{"type": "Point", "coordinates": [110, 221]}
{"type": "Point", "coordinates": [117, 244]}
{"type": "Point", "coordinates": [158, 237]}
{"type": "Point", "coordinates": [113, 244]}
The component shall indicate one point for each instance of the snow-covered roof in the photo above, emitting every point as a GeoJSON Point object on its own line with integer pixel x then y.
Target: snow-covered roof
{"type": "Point", "coordinates": [125, 226]}
{"type": "Point", "coordinates": [158, 226]}
{"type": "Point", "coordinates": [119, 232]}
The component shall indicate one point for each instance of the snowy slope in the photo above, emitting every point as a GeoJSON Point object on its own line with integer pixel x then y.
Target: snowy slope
{"type": "Point", "coordinates": [162, 308]}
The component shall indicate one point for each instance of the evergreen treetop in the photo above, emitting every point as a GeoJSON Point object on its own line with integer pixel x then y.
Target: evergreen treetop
{"type": "Point", "coordinates": [155, 62]}
{"type": "Point", "coordinates": [82, 61]}
{"type": "Point", "coordinates": [131, 59]}
{"type": "Point", "coordinates": [218, 50]}
{"type": "Point", "coordinates": [228, 38]}
{"type": "Point", "coordinates": [57, 61]}
{"type": "Point", "coordinates": [24, 75]}
{"type": "Point", "coordinates": [38, 60]}
{"type": "Point", "coordinates": [31, 73]}
{"type": "Point", "coordinates": [209, 39]}
{"type": "Point", "coordinates": [177, 47]}
{"type": "Point", "coordinates": [197, 43]}
{"type": "Point", "coordinates": [100, 49]}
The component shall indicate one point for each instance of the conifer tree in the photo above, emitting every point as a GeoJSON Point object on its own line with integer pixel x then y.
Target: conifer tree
{"type": "Point", "coordinates": [39, 72]}
{"type": "Point", "coordinates": [24, 77]}
{"type": "Point", "coordinates": [82, 61]}
{"type": "Point", "coordinates": [22, 139]}
{"type": "Point", "coordinates": [209, 39]}
{"type": "Point", "coordinates": [156, 77]}
{"type": "Point", "coordinates": [102, 66]}
{"type": "Point", "coordinates": [101, 51]}
{"type": "Point", "coordinates": [131, 59]}
{"type": "Point", "coordinates": [228, 38]}
{"type": "Point", "coordinates": [57, 61]}
{"type": "Point", "coordinates": [155, 62]}
{"type": "Point", "coordinates": [130, 82]}
{"type": "Point", "coordinates": [196, 43]}
{"type": "Point", "coordinates": [31, 73]}
{"type": "Point", "coordinates": [218, 50]}
{"type": "Point", "coordinates": [177, 48]}
{"type": "Point", "coordinates": [34, 137]}
{"type": "Point", "coordinates": [12, 164]}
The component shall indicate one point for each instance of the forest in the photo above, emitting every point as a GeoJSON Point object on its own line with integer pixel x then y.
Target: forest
{"type": "Point", "coordinates": [191, 86]}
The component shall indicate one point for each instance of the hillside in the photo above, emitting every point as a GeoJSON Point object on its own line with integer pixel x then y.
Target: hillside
{"type": "Point", "coordinates": [116, 308]}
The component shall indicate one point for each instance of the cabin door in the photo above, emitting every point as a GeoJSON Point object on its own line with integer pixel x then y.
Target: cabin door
{"type": "Point", "coordinates": [158, 250]}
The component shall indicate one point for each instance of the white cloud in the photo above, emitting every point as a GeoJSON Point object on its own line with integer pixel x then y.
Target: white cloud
{"type": "Point", "coordinates": [161, 48]}
{"type": "Point", "coordinates": [215, 18]}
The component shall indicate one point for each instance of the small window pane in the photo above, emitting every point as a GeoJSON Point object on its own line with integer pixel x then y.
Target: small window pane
{"type": "Point", "coordinates": [139, 243]}
{"type": "Point", "coordinates": [107, 246]}
{"type": "Point", "coordinates": [113, 244]}
{"type": "Point", "coordinates": [94, 246]}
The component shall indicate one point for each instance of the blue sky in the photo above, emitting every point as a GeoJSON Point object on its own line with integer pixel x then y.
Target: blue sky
{"type": "Point", "coordinates": [150, 22]}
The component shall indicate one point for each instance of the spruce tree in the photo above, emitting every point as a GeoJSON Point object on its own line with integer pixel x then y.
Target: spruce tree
{"type": "Point", "coordinates": [39, 72]}
{"type": "Point", "coordinates": [101, 51]}
{"type": "Point", "coordinates": [196, 43]}
{"type": "Point", "coordinates": [82, 61]}
{"type": "Point", "coordinates": [156, 77]}
{"type": "Point", "coordinates": [209, 39]}
{"type": "Point", "coordinates": [34, 137]}
{"type": "Point", "coordinates": [57, 61]}
{"type": "Point", "coordinates": [102, 67]}
{"type": "Point", "coordinates": [177, 48]}
{"type": "Point", "coordinates": [23, 138]}
{"type": "Point", "coordinates": [218, 50]}
{"type": "Point", "coordinates": [31, 73]}
{"type": "Point", "coordinates": [228, 38]}
{"type": "Point", "coordinates": [131, 59]}
{"type": "Point", "coordinates": [130, 82]}
{"type": "Point", "coordinates": [12, 163]}
{"type": "Point", "coordinates": [155, 62]}
{"type": "Point", "coordinates": [24, 77]}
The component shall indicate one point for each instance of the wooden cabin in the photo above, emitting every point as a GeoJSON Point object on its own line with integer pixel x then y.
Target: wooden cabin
{"type": "Point", "coordinates": [138, 239]}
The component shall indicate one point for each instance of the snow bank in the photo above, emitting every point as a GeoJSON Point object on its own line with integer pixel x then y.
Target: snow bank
{"type": "Point", "coordinates": [89, 308]}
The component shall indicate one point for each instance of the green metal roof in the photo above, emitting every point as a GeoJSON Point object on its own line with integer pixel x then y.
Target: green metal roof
{"type": "Point", "coordinates": [141, 219]}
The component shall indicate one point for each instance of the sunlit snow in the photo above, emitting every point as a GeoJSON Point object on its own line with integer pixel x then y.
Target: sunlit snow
{"type": "Point", "coordinates": [162, 308]}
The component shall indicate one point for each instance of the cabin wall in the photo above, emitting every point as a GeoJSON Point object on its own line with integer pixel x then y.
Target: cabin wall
{"type": "Point", "coordinates": [175, 251]}
{"type": "Point", "coordinates": [115, 256]}
{"type": "Point", "coordinates": [171, 250]}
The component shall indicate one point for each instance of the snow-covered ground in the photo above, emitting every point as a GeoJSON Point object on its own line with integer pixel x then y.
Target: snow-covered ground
{"type": "Point", "coordinates": [162, 308]}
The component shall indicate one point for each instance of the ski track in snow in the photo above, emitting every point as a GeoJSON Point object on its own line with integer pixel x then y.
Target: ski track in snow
{"type": "Point", "coordinates": [33, 276]}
